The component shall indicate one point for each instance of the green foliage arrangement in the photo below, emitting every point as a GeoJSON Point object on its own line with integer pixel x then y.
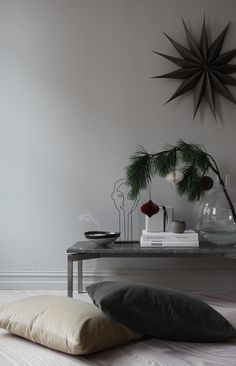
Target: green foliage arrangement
{"type": "Point", "coordinates": [192, 160]}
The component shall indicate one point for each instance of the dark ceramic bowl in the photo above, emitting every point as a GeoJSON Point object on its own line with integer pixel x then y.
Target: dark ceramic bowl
{"type": "Point", "coordinates": [101, 238]}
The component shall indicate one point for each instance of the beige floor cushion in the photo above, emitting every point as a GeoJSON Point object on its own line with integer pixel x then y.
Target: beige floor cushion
{"type": "Point", "coordinates": [64, 324]}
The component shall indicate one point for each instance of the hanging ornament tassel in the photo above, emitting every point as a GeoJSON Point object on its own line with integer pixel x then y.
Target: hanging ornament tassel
{"type": "Point", "coordinates": [174, 177]}
{"type": "Point", "coordinates": [165, 218]}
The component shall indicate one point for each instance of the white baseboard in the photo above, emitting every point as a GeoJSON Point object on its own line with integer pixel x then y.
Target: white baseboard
{"type": "Point", "coordinates": [192, 280]}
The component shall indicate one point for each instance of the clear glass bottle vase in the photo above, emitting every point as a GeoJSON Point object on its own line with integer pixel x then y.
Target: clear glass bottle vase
{"type": "Point", "coordinates": [215, 221]}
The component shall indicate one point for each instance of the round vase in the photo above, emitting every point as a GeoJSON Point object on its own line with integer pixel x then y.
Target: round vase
{"type": "Point", "coordinates": [215, 221]}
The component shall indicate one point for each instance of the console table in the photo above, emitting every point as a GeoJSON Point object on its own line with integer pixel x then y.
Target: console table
{"type": "Point", "coordinates": [83, 250]}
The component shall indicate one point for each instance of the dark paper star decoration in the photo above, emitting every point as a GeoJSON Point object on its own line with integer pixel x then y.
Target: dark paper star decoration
{"type": "Point", "coordinates": [203, 68]}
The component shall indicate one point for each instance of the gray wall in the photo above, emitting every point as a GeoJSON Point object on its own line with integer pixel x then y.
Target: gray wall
{"type": "Point", "coordinates": [76, 99]}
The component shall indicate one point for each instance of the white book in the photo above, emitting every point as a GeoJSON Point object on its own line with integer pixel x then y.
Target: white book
{"type": "Point", "coordinates": [173, 244]}
{"type": "Point", "coordinates": [169, 236]}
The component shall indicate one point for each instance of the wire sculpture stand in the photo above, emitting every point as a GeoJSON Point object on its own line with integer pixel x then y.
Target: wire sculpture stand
{"type": "Point", "coordinates": [125, 207]}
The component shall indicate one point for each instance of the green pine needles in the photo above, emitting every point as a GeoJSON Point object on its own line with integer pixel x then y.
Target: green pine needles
{"type": "Point", "coordinates": [192, 160]}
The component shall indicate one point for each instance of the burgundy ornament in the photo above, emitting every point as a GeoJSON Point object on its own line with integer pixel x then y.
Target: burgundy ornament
{"type": "Point", "coordinates": [206, 183]}
{"type": "Point", "coordinates": [149, 208]}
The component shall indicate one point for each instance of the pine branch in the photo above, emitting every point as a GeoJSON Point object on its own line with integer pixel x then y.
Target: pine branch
{"type": "Point", "coordinates": [139, 172]}
{"type": "Point", "coordinates": [196, 162]}
{"type": "Point", "coordinates": [165, 162]}
{"type": "Point", "coordinates": [189, 185]}
{"type": "Point", "coordinates": [193, 154]}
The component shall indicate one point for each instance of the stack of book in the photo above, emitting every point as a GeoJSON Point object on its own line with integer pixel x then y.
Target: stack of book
{"type": "Point", "coordinates": [167, 239]}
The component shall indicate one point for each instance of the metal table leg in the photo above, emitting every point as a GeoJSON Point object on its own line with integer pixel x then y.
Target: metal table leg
{"type": "Point", "coordinates": [70, 275]}
{"type": "Point", "coordinates": [80, 276]}
{"type": "Point", "coordinates": [79, 258]}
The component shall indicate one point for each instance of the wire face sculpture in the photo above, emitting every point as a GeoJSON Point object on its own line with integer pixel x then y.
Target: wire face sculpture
{"type": "Point", "coordinates": [125, 207]}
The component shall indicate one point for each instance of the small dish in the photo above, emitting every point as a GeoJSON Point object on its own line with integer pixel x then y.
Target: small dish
{"type": "Point", "coordinates": [101, 238]}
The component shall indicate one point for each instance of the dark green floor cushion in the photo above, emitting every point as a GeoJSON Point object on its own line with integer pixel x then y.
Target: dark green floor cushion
{"type": "Point", "coordinates": [161, 312]}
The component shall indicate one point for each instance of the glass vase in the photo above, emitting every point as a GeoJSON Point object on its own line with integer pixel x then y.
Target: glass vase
{"type": "Point", "coordinates": [215, 221]}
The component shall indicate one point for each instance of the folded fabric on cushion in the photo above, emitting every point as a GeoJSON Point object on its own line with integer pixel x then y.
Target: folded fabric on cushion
{"type": "Point", "coordinates": [63, 324]}
{"type": "Point", "coordinates": [161, 312]}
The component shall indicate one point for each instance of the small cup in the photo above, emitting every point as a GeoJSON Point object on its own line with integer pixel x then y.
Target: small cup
{"type": "Point", "coordinates": [177, 226]}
